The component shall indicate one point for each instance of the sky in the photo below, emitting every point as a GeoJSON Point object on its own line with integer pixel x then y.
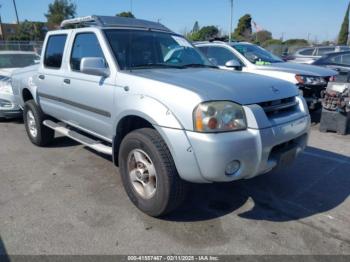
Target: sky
{"type": "Point", "coordinates": [317, 19]}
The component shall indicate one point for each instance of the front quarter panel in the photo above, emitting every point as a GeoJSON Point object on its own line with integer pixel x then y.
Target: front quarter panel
{"type": "Point", "coordinates": [147, 108]}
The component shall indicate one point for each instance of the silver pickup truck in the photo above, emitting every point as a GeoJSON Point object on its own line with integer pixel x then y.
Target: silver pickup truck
{"type": "Point", "coordinates": [137, 91]}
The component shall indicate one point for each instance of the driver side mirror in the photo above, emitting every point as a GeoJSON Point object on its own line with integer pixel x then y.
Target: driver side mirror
{"type": "Point", "coordinates": [94, 66]}
{"type": "Point", "coordinates": [234, 64]}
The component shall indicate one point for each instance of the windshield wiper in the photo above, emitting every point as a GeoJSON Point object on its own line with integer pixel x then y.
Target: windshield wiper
{"type": "Point", "coordinates": [199, 65]}
{"type": "Point", "coordinates": [155, 65]}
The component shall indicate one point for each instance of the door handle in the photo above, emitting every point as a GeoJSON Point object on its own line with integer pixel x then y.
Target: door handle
{"type": "Point", "coordinates": [66, 81]}
{"type": "Point", "coordinates": [41, 77]}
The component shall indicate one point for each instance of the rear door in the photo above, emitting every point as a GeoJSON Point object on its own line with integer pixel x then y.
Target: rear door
{"type": "Point", "coordinates": [50, 75]}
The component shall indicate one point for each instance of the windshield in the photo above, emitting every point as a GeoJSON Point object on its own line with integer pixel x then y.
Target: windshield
{"type": "Point", "coordinates": [17, 60]}
{"type": "Point", "coordinates": [256, 54]}
{"type": "Point", "coordinates": [136, 49]}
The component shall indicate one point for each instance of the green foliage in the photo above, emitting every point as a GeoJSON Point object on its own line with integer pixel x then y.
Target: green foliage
{"type": "Point", "coordinates": [344, 30]}
{"type": "Point", "coordinates": [298, 42]}
{"type": "Point", "coordinates": [60, 10]}
{"type": "Point", "coordinates": [126, 14]}
{"type": "Point", "coordinates": [271, 42]}
{"type": "Point", "coordinates": [262, 36]}
{"type": "Point", "coordinates": [243, 32]}
{"type": "Point", "coordinates": [30, 31]}
{"type": "Point", "coordinates": [205, 33]}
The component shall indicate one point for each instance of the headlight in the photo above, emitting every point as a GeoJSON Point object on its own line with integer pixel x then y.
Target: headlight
{"type": "Point", "coordinates": [310, 80]}
{"type": "Point", "coordinates": [5, 85]}
{"type": "Point", "coordinates": [220, 116]}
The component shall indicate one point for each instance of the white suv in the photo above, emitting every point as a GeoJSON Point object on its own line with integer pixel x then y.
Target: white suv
{"type": "Point", "coordinates": [251, 58]}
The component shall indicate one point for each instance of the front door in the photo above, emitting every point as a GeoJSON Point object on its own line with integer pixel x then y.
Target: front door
{"type": "Point", "coordinates": [89, 98]}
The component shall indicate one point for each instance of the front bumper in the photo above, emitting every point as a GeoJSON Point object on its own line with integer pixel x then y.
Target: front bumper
{"type": "Point", "coordinates": [258, 150]}
{"type": "Point", "coordinates": [8, 106]}
{"type": "Point", "coordinates": [202, 158]}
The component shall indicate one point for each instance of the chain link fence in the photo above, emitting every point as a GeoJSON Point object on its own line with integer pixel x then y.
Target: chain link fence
{"type": "Point", "coordinates": [284, 50]}
{"type": "Point", "coordinates": [26, 46]}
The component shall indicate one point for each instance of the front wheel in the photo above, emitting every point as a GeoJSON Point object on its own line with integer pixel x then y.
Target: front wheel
{"type": "Point", "coordinates": [33, 117]}
{"type": "Point", "coordinates": [149, 174]}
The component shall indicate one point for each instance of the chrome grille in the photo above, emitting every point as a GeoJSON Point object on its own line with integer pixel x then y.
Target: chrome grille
{"type": "Point", "coordinates": [279, 106]}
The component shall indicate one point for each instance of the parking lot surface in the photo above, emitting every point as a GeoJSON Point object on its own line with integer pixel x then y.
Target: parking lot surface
{"type": "Point", "coordinates": [66, 199]}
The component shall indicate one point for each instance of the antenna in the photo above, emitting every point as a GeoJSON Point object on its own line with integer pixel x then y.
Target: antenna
{"type": "Point", "coordinates": [231, 18]}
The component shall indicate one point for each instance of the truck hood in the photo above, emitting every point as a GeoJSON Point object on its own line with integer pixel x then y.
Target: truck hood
{"type": "Point", "coordinates": [299, 69]}
{"type": "Point", "coordinates": [215, 84]}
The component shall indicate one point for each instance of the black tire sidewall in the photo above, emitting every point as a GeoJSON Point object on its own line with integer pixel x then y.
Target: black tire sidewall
{"type": "Point", "coordinates": [156, 205]}
{"type": "Point", "coordinates": [44, 135]}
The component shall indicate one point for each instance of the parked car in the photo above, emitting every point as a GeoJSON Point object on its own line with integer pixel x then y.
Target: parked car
{"type": "Point", "coordinates": [309, 54]}
{"type": "Point", "coordinates": [251, 58]}
{"type": "Point", "coordinates": [339, 61]}
{"type": "Point", "coordinates": [137, 91]}
{"type": "Point", "coordinates": [10, 61]}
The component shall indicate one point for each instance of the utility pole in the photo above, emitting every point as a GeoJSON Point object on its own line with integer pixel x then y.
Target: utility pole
{"type": "Point", "coordinates": [1, 29]}
{"type": "Point", "coordinates": [231, 21]}
{"type": "Point", "coordinates": [14, 4]}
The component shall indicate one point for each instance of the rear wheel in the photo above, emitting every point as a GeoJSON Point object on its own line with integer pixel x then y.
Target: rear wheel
{"type": "Point", "coordinates": [149, 174]}
{"type": "Point", "coordinates": [33, 117]}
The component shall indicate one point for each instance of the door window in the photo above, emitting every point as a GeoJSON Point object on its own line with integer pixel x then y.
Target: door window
{"type": "Point", "coordinates": [85, 45]}
{"type": "Point", "coordinates": [221, 55]}
{"type": "Point", "coordinates": [54, 51]}
{"type": "Point", "coordinates": [307, 52]}
{"type": "Point", "coordinates": [326, 50]}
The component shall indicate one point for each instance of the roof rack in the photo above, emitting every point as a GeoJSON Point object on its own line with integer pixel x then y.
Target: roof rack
{"type": "Point", "coordinates": [81, 20]}
{"type": "Point", "coordinates": [115, 21]}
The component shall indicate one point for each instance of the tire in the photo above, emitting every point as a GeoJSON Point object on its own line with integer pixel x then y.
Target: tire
{"type": "Point", "coordinates": [170, 189]}
{"type": "Point", "coordinates": [43, 135]}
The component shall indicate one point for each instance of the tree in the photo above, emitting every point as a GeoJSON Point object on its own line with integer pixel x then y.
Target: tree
{"type": "Point", "coordinates": [344, 30]}
{"type": "Point", "coordinates": [270, 42]}
{"type": "Point", "coordinates": [60, 10]}
{"type": "Point", "coordinates": [30, 31]}
{"type": "Point", "coordinates": [196, 27]}
{"type": "Point", "coordinates": [205, 33]}
{"type": "Point", "coordinates": [298, 42]}
{"type": "Point", "coordinates": [244, 29]}
{"type": "Point", "coordinates": [262, 36]}
{"type": "Point", "coordinates": [126, 14]}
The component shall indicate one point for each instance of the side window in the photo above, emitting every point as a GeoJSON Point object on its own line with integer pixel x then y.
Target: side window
{"type": "Point", "coordinates": [345, 60]}
{"type": "Point", "coordinates": [308, 51]}
{"type": "Point", "coordinates": [54, 51]}
{"type": "Point", "coordinates": [222, 55]}
{"type": "Point", "coordinates": [85, 45]}
{"type": "Point", "coordinates": [323, 51]}
{"type": "Point", "coordinates": [203, 49]}
{"type": "Point", "coordinates": [336, 59]}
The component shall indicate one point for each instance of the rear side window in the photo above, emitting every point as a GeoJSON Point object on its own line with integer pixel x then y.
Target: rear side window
{"type": "Point", "coordinates": [309, 51]}
{"type": "Point", "coordinates": [54, 51]}
{"type": "Point", "coordinates": [85, 45]}
{"type": "Point", "coordinates": [326, 50]}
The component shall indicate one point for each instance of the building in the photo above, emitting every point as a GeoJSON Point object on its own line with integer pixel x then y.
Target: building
{"type": "Point", "coordinates": [8, 30]}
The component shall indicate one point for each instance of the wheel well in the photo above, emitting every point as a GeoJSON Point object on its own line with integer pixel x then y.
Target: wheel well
{"type": "Point", "coordinates": [26, 95]}
{"type": "Point", "coordinates": [125, 126]}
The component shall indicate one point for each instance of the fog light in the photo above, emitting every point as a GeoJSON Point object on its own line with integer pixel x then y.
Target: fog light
{"type": "Point", "coordinates": [232, 167]}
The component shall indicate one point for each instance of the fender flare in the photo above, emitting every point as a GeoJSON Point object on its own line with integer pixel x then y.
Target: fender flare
{"type": "Point", "coordinates": [148, 108]}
